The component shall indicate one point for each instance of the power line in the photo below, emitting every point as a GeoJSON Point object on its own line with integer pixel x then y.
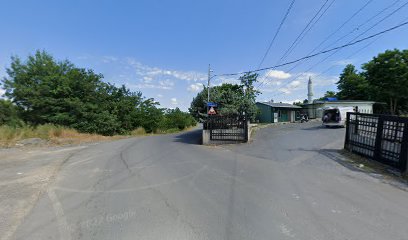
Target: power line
{"type": "Point", "coordinates": [359, 50]}
{"type": "Point", "coordinates": [307, 31]}
{"type": "Point", "coordinates": [351, 55]}
{"type": "Point", "coordinates": [321, 52]}
{"type": "Point", "coordinates": [301, 33]}
{"type": "Point", "coordinates": [276, 33]}
{"type": "Point", "coordinates": [340, 27]}
{"type": "Point", "coordinates": [374, 25]}
{"type": "Point", "coordinates": [328, 69]}
{"type": "Point", "coordinates": [383, 19]}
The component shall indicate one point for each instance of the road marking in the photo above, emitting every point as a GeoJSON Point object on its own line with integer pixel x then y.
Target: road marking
{"type": "Point", "coordinates": [60, 216]}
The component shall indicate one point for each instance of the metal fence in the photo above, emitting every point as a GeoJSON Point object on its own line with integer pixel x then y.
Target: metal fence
{"type": "Point", "coordinates": [227, 128]}
{"type": "Point", "coordinates": [380, 137]}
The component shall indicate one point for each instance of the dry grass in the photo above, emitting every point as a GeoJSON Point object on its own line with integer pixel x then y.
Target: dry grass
{"type": "Point", "coordinates": [54, 135]}
{"type": "Point", "coordinates": [58, 135]}
{"type": "Point", "coordinates": [138, 132]}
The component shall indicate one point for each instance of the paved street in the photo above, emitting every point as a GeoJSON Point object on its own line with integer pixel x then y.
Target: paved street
{"type": "Point", "coordinates": [289, 183]}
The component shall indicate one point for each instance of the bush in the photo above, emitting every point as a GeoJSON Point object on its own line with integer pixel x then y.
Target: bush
{"type": "Point", "coordinates": [176, 119]}
{"type": "Point", "coordinates": [46, 91]}
{"type": "Point", "coordinates": [9, 113]}
{"type": "Point", "coordinates": [138, 131]}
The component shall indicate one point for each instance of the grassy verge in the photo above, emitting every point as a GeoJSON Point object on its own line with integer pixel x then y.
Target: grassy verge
{"type": "Point", "coordinates": [58, 135]}
{"type": "Point", "coordinates": [54, 135]}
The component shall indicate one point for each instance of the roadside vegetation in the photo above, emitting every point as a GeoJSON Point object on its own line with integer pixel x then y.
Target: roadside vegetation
{"type": "Point", "coordinates": [232, 99]}
{"type": "Point", "coordinates": [50, 98]}
{"type": "Point", "coordinates": [51, 135]}
{"type": "Point", "coordinates": [384, 79]}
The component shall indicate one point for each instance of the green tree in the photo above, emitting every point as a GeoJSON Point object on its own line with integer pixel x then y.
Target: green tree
{"type": "Point", "coordinates": [248, 105]}
{"type": "Point", "coordinates": [57, 92]}
{"type": "Point", "coordinates": [229, 98]}
{"type": "Point", "coordinates": [49, 91]}
{"type": "Point", "coordinates": [352, 85]}
{"type": "Point", "coordinates": [9, 113]}
{"type": "Point", "coordinates": [176, 119]}
{"type": "Point", "coordinates": [387, 76]}
{"type": "Point", "coordinates": [328, 94]}
{"type": "Point", "coordinates": [148, 115]}
{"type": "Point", "coordinates": [232, 99]}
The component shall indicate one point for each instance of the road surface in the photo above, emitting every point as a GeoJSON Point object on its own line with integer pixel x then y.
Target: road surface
{"type": "Point", "coordinates": [289, 183]}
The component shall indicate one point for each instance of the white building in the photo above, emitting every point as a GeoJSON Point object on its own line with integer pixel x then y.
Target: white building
{"type": "Point", "coordinates": [315, 107]}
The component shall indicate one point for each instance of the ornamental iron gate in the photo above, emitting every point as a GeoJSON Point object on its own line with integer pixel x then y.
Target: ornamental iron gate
{"type": "Point", "coordinates": [227, 128]}
{"type": "Point", "coordinates": [380, 137]}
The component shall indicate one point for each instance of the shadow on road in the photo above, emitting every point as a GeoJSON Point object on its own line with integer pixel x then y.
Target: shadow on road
{"type": "Point", "coordinates": [321, 127]}
{"type": "Point", "coordinates": [337, 155]}
{"type": "Point", "coordinates": [190, 137]}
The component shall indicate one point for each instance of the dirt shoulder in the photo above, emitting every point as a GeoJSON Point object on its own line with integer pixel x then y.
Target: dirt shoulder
{"type": "Point", "coordinates": [24, 175]}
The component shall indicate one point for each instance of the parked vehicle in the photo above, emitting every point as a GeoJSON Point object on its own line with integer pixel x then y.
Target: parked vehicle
{"type": "Point", "coordinates": [335, 116]}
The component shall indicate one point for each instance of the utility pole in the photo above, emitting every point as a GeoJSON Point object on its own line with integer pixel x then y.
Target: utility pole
{"type": "Point", "coordinates": [208, 86]}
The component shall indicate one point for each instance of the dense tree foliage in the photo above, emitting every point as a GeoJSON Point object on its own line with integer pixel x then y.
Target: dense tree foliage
{"type": "Point", "coordinates": [384, 79]}
{"type": "Point", "coordinates": [328, 94]}
{"type": "Point", "coordinates": [9, 113]}
{"type": "Point", "coordinates": [387, 76]}
{"type": "Point", "coordinates": [176, 119]}
{"type": "Point", "coordinates": [352, 85]}
{"type": "Point", "coordinates": [232, 99]}
{"type": "Point", "coordinates": [57, 92]}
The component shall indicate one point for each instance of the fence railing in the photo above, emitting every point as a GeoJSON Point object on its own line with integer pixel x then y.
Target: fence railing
{"type": "Point", "coordinates": [383, 138]}
{"type": "Point", "coordinates": [227, 128]}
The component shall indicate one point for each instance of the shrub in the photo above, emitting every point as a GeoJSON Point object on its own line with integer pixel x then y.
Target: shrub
{"type": "Point", "coordinates": [138, 131]}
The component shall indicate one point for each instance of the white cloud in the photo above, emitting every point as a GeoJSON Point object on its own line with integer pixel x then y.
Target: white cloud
{"type": "Point", "coordinates": [343, 62]}
{"type": "Point", "coordinates": [155, 72]}
{"type": "Point", "coordinates": [138, 86]}
{"type": "Point", "coordinates": [195, 87]}
{"type": "Point", "coordinates": [109, 59]}
{"type": "Point", "coordinates": [166, 84]}
{"type": "Point", "coordinates": [285, 90]}
{"type": "Point", "coordinates": [277, 74]}
{"type": "Point", "coordinates": [294, 84]}
{"type": "Point", "coordinates": [173, 101]}
{"type": "Point", "coordinates": [2, 91]}
{"type": "Point", "coordinates": [159, 95]}
{"type": "Point", "coordinates": [147, 79]}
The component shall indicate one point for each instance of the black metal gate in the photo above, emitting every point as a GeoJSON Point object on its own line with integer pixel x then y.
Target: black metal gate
{"type": "Point", "coordinates": [380, 137]}
{"type": "Point", "coordinates": [227, 128]}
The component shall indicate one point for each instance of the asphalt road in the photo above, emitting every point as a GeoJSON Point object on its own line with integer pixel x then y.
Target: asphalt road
{"type": "Point", "coordinates": [289, 183]}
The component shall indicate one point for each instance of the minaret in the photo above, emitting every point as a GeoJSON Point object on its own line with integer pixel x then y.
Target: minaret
{"type": "Point", "coordinates": [310, 91]}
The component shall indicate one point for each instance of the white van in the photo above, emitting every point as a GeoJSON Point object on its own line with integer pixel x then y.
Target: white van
{"type": "Point", "coordinates": [335, 116]}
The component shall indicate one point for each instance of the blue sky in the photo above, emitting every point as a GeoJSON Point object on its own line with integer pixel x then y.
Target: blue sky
{"type": "Point", "coordinates": [163, 48]}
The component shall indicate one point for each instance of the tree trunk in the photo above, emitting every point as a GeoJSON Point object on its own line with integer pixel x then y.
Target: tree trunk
{"type": "Point", "coordinates": [391, 106]}
{"type": "Point", "coordinates": [395, 106]}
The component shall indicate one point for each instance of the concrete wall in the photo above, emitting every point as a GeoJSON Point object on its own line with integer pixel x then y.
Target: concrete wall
{"type": "Point", "coordinates": [315, 110]}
